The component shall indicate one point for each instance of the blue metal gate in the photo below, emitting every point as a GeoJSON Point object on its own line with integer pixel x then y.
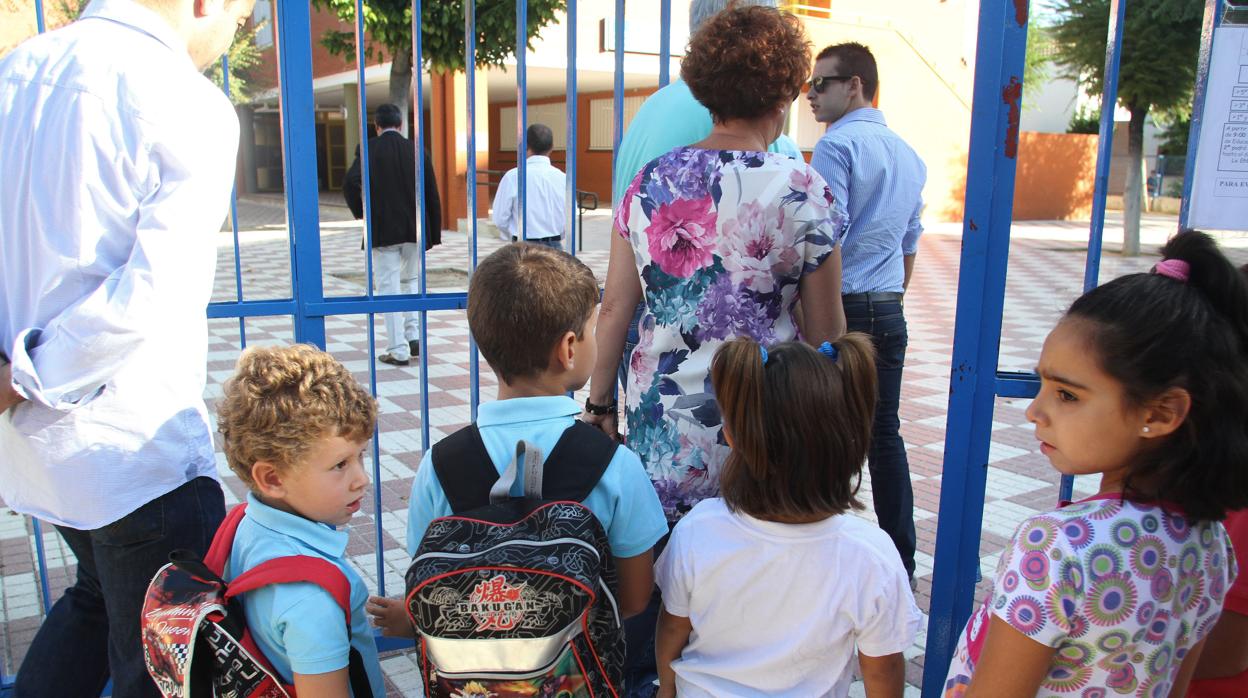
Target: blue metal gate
{"type": "Point", "coordinates": [975, 380]}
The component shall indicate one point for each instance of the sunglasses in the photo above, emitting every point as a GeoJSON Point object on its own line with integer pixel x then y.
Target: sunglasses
{"type": "Point", "coordinates": [819, 83]}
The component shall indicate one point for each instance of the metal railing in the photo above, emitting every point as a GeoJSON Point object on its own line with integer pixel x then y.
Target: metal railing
{"type": "Point", "coordinates": [975, 381]}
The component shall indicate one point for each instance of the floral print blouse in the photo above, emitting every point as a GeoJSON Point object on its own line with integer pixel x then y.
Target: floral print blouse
{"type": "Point", "coordinates": [721, 239]}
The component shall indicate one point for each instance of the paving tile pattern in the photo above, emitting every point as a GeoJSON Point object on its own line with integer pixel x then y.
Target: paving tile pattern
{"type": "Point", "coordinates": [1046, 268]}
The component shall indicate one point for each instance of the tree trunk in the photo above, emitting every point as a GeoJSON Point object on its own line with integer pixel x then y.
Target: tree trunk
{"type": "Point", "coordinates": [401, 84]}
{"type": "Point", "coordinates": [1133, 192]}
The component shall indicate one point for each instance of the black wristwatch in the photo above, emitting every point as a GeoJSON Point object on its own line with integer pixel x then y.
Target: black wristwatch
{"type": "Point", "coordinates": [599, 410]}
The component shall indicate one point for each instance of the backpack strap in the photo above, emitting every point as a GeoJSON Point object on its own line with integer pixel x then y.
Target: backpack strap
{"type": "Point", "coordinates": [577, 462]}
{"type": "Point", "coordinates": [464, 469]}
{"type": "Point", "coordinates": [571, 471]}
{"type": "Point", "coordinates": [223, 540]}
{"type": "Point", "coordinates": [315, 570]}
{"type": "Point", "coordinates": [296, 568]}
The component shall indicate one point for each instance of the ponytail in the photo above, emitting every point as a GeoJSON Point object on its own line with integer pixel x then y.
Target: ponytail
{"type": "Point", "coordinates": [857, 364]}
{"type": "Point", "coordinates": [737, 375]}
{"type": "Point", "coordinates": [799, 424]}
{"type": "Point", "coordinates": [1209, 271]}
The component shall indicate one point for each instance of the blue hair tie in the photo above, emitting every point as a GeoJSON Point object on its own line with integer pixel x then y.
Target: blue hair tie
{"type": "Point", "coordinates": [829, 351]}
{"type": "Point", "coordinates": [762, 351]}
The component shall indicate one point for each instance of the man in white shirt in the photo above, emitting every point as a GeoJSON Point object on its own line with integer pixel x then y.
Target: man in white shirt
{"type": "Point", "coordinates": [545, 195]}
{"type": "Point", "coordinates": [118, 160]}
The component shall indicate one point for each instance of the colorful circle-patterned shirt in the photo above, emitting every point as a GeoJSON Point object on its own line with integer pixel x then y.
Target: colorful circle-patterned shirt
{"type": "Point", "coordinates": [1121, 589]}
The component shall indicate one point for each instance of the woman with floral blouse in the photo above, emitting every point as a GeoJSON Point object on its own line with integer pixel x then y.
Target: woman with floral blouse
{"type": "Point", "coordinates": [722, 238]}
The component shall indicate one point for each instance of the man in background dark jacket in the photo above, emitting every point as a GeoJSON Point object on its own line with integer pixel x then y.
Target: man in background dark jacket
{"type": "Point", "coordinates": [392, 189]}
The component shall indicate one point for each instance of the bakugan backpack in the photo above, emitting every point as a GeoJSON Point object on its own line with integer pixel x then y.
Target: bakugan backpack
{"type": "Point", "coordinates": [515, 596]}
{"type": "Point", "coordinates": [195, 638]}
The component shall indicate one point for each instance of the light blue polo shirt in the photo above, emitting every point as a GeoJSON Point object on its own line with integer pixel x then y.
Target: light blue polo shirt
{"type": "Point", "coordinates": [299, 626]}
{"type": "Point", "coordinates": [670, 118]}
{"type": "Point", "coordinates": [623, 500]}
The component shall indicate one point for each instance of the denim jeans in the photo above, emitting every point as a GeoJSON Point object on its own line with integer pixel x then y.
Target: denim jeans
{"type": "Point", "coordinates": [92, 631]}
{"type": "Point", "coordinates": [886, 461]}
{"type": "Point", "coordinates": [640, 667]}
{"type": "Point", "coordinates": [552, 242]}
{"type": "Point", "coordinates": [630, 343]}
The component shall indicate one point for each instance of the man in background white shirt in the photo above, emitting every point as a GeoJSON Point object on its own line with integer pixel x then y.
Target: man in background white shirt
{"type": "Point", "coordinates": [545, 195]}
{"type": "Point", "coordinates": [118, 155]}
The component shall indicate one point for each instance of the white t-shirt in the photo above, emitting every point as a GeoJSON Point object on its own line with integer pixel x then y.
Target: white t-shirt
{"type": "Point", "coordinates": [779, 609]}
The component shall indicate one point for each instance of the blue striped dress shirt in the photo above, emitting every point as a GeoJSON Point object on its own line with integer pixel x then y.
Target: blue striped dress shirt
{"type": "Point", "coordinates": [879, 179]}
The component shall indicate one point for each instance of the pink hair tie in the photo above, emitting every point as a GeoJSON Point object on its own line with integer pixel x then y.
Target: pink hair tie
{"type": "Point", "coordinates": [1176, 269]}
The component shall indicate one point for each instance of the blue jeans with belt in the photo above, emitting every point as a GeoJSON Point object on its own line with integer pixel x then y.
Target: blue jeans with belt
{"type": "Point", "coordinates": [886, 461]}
{"type": "Point", "coordinates": [631, 340]}
{"type": "Point", "coordinates": [92, 632]}
{"type": "Point", "coordinates": [555, 243]}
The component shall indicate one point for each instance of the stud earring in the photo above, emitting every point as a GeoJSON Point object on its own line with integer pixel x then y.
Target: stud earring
{"type": "Point", "coordinates": [1146, 430]}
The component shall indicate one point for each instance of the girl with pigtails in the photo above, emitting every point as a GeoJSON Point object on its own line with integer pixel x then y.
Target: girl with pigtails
{"type": "Point", "coordinates": [1144, 383]}
{"type": "Point", "coordinates": [772, 587]}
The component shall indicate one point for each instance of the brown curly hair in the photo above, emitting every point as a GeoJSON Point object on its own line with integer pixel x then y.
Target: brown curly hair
{"type": "Point", "coordinates": [281, 400]}
{"type": "Point", "coordinates": [745, 61]}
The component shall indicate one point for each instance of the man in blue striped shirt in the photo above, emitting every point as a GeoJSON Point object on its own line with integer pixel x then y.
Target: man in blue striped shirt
{"type": "Point", "coordinates": [879, 179]}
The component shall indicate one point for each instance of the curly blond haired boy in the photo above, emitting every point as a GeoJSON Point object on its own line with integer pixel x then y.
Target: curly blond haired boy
{"type": "Point", "coordinates": [295, 424]}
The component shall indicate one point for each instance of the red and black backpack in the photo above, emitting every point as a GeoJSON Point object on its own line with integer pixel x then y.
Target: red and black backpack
{"type": "Point", "coordinates": [511, 595]}
{"type": "Point", "coordinates": [195, 638]}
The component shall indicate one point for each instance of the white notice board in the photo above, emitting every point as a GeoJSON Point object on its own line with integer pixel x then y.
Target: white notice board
{"type": "Point", "coordinates": [1220, 185]}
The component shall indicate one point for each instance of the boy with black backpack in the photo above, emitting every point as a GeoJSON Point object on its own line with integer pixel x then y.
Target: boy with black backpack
{"type": "Point", "coordinates": [506, 565]}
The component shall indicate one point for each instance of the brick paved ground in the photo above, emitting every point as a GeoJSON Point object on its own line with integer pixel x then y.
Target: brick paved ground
{"type": "Point", "coordinates": [1045, 275]}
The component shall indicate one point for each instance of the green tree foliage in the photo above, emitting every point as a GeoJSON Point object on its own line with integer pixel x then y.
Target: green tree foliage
{"type": "Point", "coordinates": [242, 56]}
{"type": "Point", "coordinates": [388, 27]}
{"type": "Point", "coordinates": [1039, 57]}
{"type": "Point", "coordinates": [1085, 121]}
{"type": "Point", "coordinates": [1158, 70]}
{"type": "Point", "coordinates": [1174, 137]}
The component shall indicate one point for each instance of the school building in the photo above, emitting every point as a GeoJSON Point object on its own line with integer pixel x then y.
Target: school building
{"type": "Point", "coordinates": [925, 49]}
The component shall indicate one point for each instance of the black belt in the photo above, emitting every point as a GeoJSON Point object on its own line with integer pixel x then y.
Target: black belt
{"type": "Point", "coordinates": [552, 237]}
{"type": "Point", "coordinates": [872, 297]}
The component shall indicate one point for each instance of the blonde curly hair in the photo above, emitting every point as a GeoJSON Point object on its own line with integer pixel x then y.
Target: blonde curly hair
{"type": "Point", "coordinates": [282, 400]}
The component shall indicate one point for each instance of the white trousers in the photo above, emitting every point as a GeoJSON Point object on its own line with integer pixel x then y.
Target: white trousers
{"type": "Point", "coordinates": [396, 270]}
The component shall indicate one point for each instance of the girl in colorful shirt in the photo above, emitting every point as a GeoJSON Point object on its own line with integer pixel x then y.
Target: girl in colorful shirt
{"type": "Point", "coordinates": [1145, 382]}
{"type": "Point", "coordinates": [775, 588]}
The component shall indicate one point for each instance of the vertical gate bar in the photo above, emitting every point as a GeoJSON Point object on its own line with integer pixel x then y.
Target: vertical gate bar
{"type": "Point", "coordinates": [991, 164]}
{"type": "Point", "coordinates": [470, 67]}
{"type": "Point", "coordinates": [571, 146]}
{"type": "Point", "coordinates": [665, 42]}
{"type": "Point", "coordinates": [370, 322]}
{"type": "Point", "coordinates": [41, 556]}
{"type": "Point", "coordinates": [39, 25]}
{"type": "Point", "coordinates": [238, 264]}
{"type": "Point", "coordinates": [1105, 142]}
{"type": "Point", "coordinates": [522, 116]}
{"type": "Point", "coordinates": [1104, 154]}
{"type": "Point", "coordinates": [1213, 18]}
{"type": "Point", "coordinates": [617, 103]}
{"type": "Point", "coordinates": [418, 131]}
{"type": "Point", "coordinates": [293, 39]}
